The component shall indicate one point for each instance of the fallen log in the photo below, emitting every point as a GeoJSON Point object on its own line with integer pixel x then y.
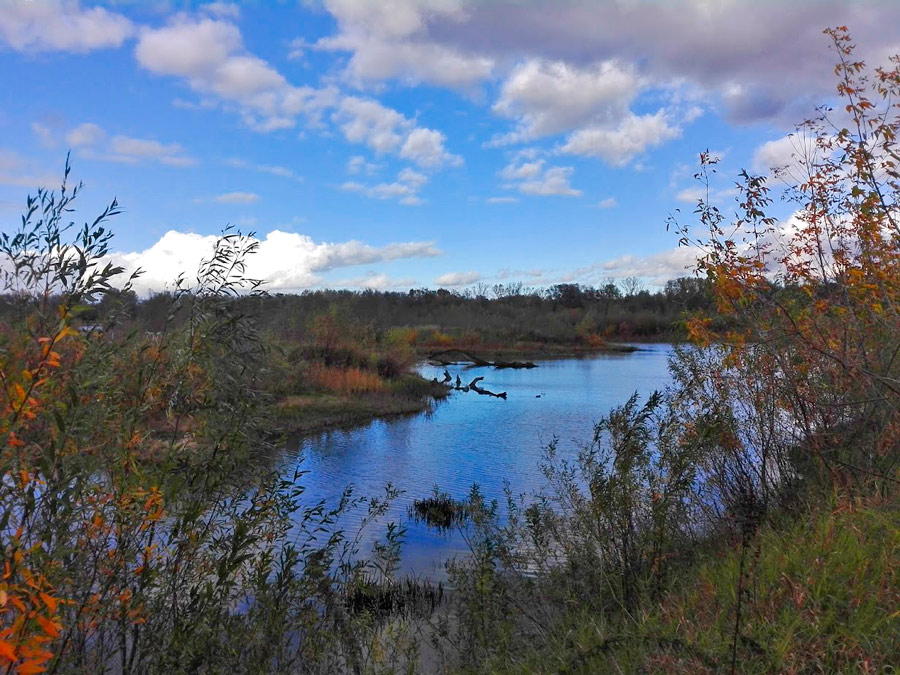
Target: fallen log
{"type": "Point", "coordinates": [468, 357]}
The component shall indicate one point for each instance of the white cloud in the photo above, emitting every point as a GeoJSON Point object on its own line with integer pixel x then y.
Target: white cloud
{"type": "Point", "coordinates": [223, 9]}
{"type": "Point", "coordinates": [657, 268]}
{"type": "Point", "coordinates": [607, 203]}
{"type": "Point", "coordinates": [620, 144]}
{"type": "Point", "coordinates": [592, 105]}
{"type": "Point", "coordinates": [457, 279]}
{"type": "Point", "coordinates": [20, 171]}
{"type": "Point", "coordinates": [789, 156]}
{"type": "Point", "coordinates": [502, 200]}
{"type": "Point", "coordinates": [709, 46]}
{"type": "Point", "coordinates": [271, 169]}
{"type": "Point", "coordinates": [405, 188]}
{"type": "Point", "coordinates": [693, 195]}
{"type": "Point", "coordinates": [522, 171]}
{"type": "Point", "coordinates": [91, 141]}
{"type": "Point", "coordinates": [555, 181]}
{"type": "Point", "coordinates": [85, 135]}
{"type": "Point", "coordinates": [378, 282]}
{"type": "Point", "coordinates": [44, 134]}
{"type": "Point", "coordinates": [550, 97]}
{"type": "Point", "coordinates": [285, 260]}
{"type": "Point", "coordinates": [128, 149]}
{"type": "Point", "coordinates": [59, 25]}
{"type": "Point", "coordinates": [384, 130]}
{"type": "Point", "coordinates": [533, 179]}
{"type": "Point", "coordinates": [412, 177]}
{"type": "Point", "coordinates": [388, 40]}
{"type": "Point", "coordinates": [209, 53]}
{"type": "Point", "coordinates": [367, 121]}
{"type": "Point", "coordinates": [358, 164]}
{"type": "Point", "coordinates": [237, 198]}
{"type": "Point", "coordinates": [425, 147]}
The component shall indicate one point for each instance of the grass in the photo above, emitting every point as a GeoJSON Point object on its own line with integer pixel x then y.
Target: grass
{"type": "Point", "coordinates": [822, 596]}
{"type": "Point", "coordinates": [316, 411]}
{"type": "Point", "coordinates": [439, 511]}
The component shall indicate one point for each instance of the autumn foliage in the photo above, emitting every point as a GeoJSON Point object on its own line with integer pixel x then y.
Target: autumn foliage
{"type": "Point", "coordinates": [814, 300]}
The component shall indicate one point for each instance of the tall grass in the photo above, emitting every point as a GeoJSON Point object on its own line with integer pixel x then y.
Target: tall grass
{"type": "Point", "coordinates": [351, 380]}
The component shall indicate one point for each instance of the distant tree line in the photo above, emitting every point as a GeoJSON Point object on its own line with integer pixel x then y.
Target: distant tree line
{"type": "Point", "coordinates": [503, 313]}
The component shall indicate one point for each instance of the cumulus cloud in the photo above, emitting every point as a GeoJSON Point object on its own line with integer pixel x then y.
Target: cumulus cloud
{"type": "Point", "coordinates": [405, 188]}
{"type": "Point", "coordinates": [457, 279]}
{"type": "Point", "coordinates": [208, 52]}
{"type": "Point", "coordinates": [620, 144]}
{"type": "Point", "coordinates": [390, 41]}
{"type": "Point", "coordinates": [384, 130]}
{"type": "Point", "coordinates": [60, 25]}
{"type": "Point", "coordinates": [367, 121]}
{"type": "Point", "coordinates": [533, 178]}
{"type": "Point", "coordinates": [358, 164]}
{"type": "Point", "coordinates": [425, 147]}
{"type": "Point", "coordinates": [550, 97]}
{"type": "Point", "coordinates": [607, 203]}
{"type": "Point", "coordinates": [591, 105]}
{"type": "Point", "coordinates": [284, 260]}
{"type": "Point", "coordinates": [747, 56]}
{"type": "Point", "coordinates": [788, 157]}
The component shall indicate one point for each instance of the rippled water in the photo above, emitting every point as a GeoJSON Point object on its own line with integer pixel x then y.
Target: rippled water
{"type": "Point", "coordinates": [475, 439]}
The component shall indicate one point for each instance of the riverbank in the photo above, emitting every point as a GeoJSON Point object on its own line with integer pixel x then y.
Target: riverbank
{"type": "Point", "coordinates": [519, 352]}
{"type": "Point", "coordinates": [320, 411]}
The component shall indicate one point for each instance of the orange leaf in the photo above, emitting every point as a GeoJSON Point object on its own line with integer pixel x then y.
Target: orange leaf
{"type": "Point", "coordinates": [31, 667]}
{"type": "Point", "coordinates": [51, 628]}
{"type": "Point", "coordinates": [50, 601]}
{"type": "Point", "coordinates": [7, 651]}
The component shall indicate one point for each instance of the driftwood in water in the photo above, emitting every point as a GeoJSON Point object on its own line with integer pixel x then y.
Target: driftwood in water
{"type": "Point", "coordinates": [473, 386]}
{"type": "Point", "coordinates": [469, 357]}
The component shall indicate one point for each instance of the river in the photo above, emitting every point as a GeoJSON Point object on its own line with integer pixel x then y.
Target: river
{"type": "Point", "coordinates": [474, 439]}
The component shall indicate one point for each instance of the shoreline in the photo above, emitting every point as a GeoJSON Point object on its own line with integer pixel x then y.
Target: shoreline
{"type": "Point", "coordinates": [313, 413]}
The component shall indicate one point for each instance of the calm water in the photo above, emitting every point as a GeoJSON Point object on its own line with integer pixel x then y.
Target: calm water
{"type": "Point", "coordinates": [475, 439]}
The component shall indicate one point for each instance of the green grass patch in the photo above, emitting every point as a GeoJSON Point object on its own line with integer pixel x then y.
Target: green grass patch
{"type": "Point", "coordinates": [821, 595]}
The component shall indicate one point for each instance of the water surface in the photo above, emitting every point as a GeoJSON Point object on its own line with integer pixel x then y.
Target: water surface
{"type": "Point", "coordinates": [475, 439]}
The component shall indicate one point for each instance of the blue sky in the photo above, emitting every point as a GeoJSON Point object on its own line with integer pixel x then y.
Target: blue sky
{"type": "Point", "coordinates": [409, 143]}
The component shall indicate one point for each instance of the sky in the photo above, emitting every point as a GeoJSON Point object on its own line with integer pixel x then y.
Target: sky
{"type": "Point", "coordinates": [411, 143]}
